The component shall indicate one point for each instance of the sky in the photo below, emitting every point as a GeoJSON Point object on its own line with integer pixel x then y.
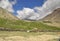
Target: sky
{"type": "Point", "coordinates": [27, 4]}
{"type": "Point", "coordinates": [30, 9]}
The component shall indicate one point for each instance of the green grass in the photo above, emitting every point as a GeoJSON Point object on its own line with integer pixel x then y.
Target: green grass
{"type": "Point", "coordinates": [20, 24]}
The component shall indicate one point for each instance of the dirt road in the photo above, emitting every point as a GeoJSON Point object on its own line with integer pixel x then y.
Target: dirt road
{"type": "Point", "coordinates": [30, 38]}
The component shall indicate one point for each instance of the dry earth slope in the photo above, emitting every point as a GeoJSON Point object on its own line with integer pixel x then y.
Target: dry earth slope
{"type": "Point", "coordinates": [7, 15]}
{"type": "Point", "coordinates": [54, 18]}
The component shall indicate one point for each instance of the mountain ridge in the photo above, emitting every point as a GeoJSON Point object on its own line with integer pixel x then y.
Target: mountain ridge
{"type": "Point", "coordinates": [53, 19]}
{"type": "Point", "coordinates": [7, 15]}
{"type": "Point", "coordinates": [54, 16]}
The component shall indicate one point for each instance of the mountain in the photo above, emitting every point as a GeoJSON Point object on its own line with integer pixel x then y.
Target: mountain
{"type": "Point", "coordinates": [9, 22]}
{"type": "Point", "coordinates": [54, 16]}
{"type": "Point", "coordinates": [53, 19]}
{"type": "Point", "coordinates": [7, 15]}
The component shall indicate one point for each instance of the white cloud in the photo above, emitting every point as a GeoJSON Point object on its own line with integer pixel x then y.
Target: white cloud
{"type": "Point", "coordinates": [39, 12]}
{"type": "Point", "coordinates": [6, 4]}
{"type": "Point", "coordinates": [26, 12]}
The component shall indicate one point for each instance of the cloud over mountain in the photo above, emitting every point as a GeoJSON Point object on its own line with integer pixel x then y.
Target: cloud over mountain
{"type": "Point", "coordinates": [39, 12]}
{"type": "Point", "coordinates": [6, 4]}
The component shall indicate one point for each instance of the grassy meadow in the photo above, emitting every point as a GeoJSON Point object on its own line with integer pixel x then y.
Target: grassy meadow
{"type": "Point", "coordinates": [23, 25]}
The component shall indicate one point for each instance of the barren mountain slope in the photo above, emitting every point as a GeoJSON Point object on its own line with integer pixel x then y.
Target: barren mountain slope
{"type": "Point", "coordinates": [7, 15]}
{"type": "Point", "coordinates": [53, 19]}
{"type": "Point", "coordinates": [54, 16]}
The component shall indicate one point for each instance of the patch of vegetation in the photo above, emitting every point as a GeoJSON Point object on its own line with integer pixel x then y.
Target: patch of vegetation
{"type": "Point", "coordinates": [23, 25]}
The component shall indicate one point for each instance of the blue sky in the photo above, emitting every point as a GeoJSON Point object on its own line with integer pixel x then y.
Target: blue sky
{"type": "Point", "coordinates": [27, 4]}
